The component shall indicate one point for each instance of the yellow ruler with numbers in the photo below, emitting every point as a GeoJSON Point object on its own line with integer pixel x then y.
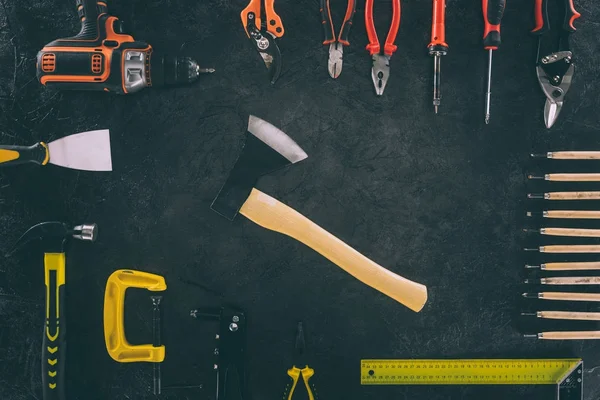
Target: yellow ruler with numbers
{"type": "Point", "coordinates": [466, 372]}
{"type": "Point", "coordinates": [566, 374]}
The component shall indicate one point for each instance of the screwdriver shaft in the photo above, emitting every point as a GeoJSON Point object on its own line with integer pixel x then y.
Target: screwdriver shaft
{"type": "Point", "coordinates": [437, 67]}
{"type": "Point", "coordinates": [488, 95]}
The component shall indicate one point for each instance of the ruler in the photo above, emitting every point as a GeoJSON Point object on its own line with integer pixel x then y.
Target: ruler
{"type": "Point", "coordinates": [565, 374]}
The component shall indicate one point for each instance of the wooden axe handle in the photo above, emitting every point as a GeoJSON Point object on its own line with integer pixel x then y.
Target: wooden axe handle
{"type": "Point", "coordinates": [270, 213]}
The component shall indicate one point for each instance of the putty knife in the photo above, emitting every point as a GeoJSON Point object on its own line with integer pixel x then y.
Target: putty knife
{"type": "Point", "coordinates": [86, 151]}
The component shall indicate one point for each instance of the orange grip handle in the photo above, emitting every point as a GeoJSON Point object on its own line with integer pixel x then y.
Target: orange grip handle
{"type": "Point", "coordinates": [373, 47]}
{"type": "Point", "coordinates": [252, 7]}
{"type": "Point", "coordinates": [274, 24]}
{"type": "Point", "coordinates": [438, 26]}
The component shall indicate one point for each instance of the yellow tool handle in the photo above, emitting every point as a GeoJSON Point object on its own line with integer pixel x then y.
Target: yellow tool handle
{"type": "Point", "coordinates": [571, 266]}
{"type": "Point", "coordinates": [55, 330]}
{"type": "Point", "coordinates": [295, 373]}
{"type": "Point", "coordinates": [581, 335]}
{"type": "Point", "coordinates": [583, 316]}
{"type": "Point", "coordinates": [575, 155]}
{"type": "Point", "coordinates": [573, 177]}
{"type": "Point", "coordinates": [16, 155]}
{"type": "Point", "coordinates": [114, 311]}
{"type": "Point", "coordinates": [271, 214]}
{"type": "Point", "coordinates": [570, 296]}
{"type": "Point", "coordinates": [572, 196]}
{"type": "Point", "coordinates": [570, 248]}
{"type": "Point", "coordinates": [571, 232]}
{"type": "Point", "coordinates": [572, 214]}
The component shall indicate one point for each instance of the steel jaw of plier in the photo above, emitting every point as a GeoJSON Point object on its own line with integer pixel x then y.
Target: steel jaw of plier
{"type": "Point", "coordinates": [336, 49]}
{"type": "Point", "coordinates": [263, 33]}
{"type": "Point", "coordinates": [554, 70]}
{"type": "Point", "coordinates": [381, 62]}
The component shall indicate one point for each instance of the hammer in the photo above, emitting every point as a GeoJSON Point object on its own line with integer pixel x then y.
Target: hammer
{"type": "Point", "coordinates": [268, 149]}
{"type": "Point", "coordinates": [54, 237]}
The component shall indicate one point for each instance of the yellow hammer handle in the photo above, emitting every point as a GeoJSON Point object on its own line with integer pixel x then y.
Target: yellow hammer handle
{"type": "Point", "coordinates": [571, 232]}
{"type": "Point", "coordinates": [270, 213]}
{"type": "Point", "coordinates": [570, 335]}
{"type": "Point", "coordinates": [571, 296]}
{"type": "Point", "coordinates": [573, 177]}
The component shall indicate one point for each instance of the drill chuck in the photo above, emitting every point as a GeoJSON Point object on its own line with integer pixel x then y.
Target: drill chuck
{"type": "Point", "coordinates": [175, 70]}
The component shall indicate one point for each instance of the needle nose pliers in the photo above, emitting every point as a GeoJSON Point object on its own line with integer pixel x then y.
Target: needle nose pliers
{"type": "Point", "coordinates": [295, 372]}
{"type": "Point", "coordinates": [554, 69]}
{"type": "Point", "coordinates": [381, 62]}
{"type": "Point", "coordinates": [336, 49]}
{"type": "Point", "coordinates": [263, 33]}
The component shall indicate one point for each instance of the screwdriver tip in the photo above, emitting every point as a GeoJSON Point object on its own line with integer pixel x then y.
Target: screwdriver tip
{"type": "Point", "coordinates": [435, 109]}
{"type": "Point", "coordinates": [532, 336]}
{"type": "Point", "coordinates": [528, 314]}
{"type": "Point", "coordinates": [528, 266]}
{"type": "Point", "coordinates": [538, 155]}
{"type": "Point", "coordinates": [530, 295]}
{"type": "Point", "coordinates": [530, 176]}
{"type": "Point", "coordinates": [487, 119]}
{"type": "Point", "coordinates": [535, 196]}
{"type": "Point", "coordinates": [529, 249]}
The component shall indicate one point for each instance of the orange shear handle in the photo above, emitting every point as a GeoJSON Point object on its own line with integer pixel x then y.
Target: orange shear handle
{"type": "Point", "coordinates": [373, 46]}
{"type": "Point", "coordinates": [274, 24]}
{"type": "Point", "coordinates": [253, 7]}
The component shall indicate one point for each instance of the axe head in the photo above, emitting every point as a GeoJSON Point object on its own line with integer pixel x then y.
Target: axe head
{"type": "Point", "coordinates": [267, 149]}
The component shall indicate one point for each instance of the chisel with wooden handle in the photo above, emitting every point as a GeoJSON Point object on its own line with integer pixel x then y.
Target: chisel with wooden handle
{"type": "Point", "coordinates": [566, 232]}
{"type": "Point", "coordinates": [567, 248]}
{"type": "Point", "coordinates": [566, 280]}
{"type": "Point", "coordinates": [563, 296]}
{"type": "Point", "coordinates": [569, 155]}
{"type": "Point", "coordinates": [563, 177]}
{"type": "Point", "coordinates": [576, 335]}
{"type": "Point", "coordinates": [565, 196]}
{"type": "Point", "coordinates": [567, 266]}
{"type": "Point", "coordinates": [565, 214]}
{"type": "Point", "coordinates": [570, 315]}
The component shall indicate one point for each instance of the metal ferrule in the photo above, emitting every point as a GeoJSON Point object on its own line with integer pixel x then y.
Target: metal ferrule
{"type": "Point", "coordinates": [88, 232]}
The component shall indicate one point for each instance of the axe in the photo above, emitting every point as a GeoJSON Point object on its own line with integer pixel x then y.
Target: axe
{"type": "Point", "coordinates": [268, 149]}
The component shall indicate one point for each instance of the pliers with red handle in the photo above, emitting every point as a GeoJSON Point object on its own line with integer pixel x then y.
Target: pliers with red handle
{"type": "Point", "coordinates": [336, 49]}
{"type": "Point", "coordinates": [554, 64]}
{"type": "Point", "coordinates": [381, 62]}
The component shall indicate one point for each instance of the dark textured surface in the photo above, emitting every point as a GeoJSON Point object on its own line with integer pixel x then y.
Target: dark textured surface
{"type": "Point", "coordinates": [436, 199]}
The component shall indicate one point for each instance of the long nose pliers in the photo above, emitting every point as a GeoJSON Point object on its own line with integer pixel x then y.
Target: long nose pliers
{"type": "Point", "coordinates": [381, 62]}
{"type": "Point", "coordinates": [300, 369]}
{"type": "Point", "coordinates": [336, 49]}
{"type": "Point", "coordinates": [263, 33]}
{"type": "Point", "coordinates": [554, 67]}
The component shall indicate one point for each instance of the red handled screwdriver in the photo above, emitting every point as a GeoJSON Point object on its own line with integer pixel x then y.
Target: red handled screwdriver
{"type": "Point", "coordinates": [438, 47]}
{"type": "Point", "coordinates": [493, 10]}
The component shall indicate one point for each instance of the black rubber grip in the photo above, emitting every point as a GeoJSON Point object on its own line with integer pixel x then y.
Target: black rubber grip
{"type": "Point", "coordinates": [345, 31]}
{"type": "Point", "coordinates": [88, 12]}
{"type": "Point", "coordinates": [328, 33]}
{"type": "Point", "coordinates": [495, 11]}
{"type": "Point", "coordinates": [542, 20]}
{"type": "Point", "coordinates": [54, 344]}
{"type": "Point", "coordinates": [34, 154]}
{"type": "Point", "coordinates": [493, 39]}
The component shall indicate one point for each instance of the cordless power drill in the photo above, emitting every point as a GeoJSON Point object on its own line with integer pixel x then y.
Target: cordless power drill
{"type": "Point", "coordinates": [103, 57]}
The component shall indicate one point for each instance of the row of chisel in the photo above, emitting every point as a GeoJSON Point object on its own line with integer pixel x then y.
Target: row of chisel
{"type": "Point", "coordinates": [569, 232]}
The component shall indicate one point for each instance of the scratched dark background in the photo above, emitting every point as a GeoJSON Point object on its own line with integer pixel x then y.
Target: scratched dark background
{"type": "Point", "coordinates": [439, 200]}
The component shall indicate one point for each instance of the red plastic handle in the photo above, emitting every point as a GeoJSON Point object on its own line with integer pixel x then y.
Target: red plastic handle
{"type": "Point", "coordinates": [438, 26]}
{"type": "Point", "coordinates": [374, 47]}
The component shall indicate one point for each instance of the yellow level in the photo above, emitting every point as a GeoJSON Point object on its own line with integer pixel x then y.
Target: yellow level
{"type": "Point", "coordinates": [566, 374]}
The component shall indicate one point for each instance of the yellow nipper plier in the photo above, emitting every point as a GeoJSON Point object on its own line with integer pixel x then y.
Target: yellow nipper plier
{"type": "Point", "coordinates": [295, 373]}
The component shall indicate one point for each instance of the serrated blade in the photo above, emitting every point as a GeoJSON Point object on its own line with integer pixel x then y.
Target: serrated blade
{"type": "Point", "coordinates": [86, 151]}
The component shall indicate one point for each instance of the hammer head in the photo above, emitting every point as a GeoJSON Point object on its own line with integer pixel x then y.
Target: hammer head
{"type": "Point", "coordinates": [54, 235]}
{"type": "Point", "coordinates": [267, 149]}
